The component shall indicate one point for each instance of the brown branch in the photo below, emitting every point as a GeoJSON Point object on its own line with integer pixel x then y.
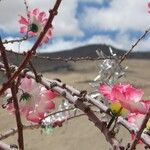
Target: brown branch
{"type": "Point", "coordinates": [69, 59]}
{"type": "Point", "coordinates": [47, 83]}
{"type": "Point", "coordinates": [15, 100]}
{"type": "Point", "coordinates": [144, 137]}
{"type": "Point", "coordinates": [37, 76]}
{"type": "Point", "coordinates": [27, 10]}
{"type": "Point", "coordinates": [84, 107]}
{"type": "Point", "coordinates": [16, 41]}
{"type": "Point", "coordinates": [138, 136]}
{"type": "Point", "coordinates": [76, 92]}
{"type": "Point", "coordinates": [54, 113]}
{"type": "Point", "coordinates": [80, 105]}
{"type": "Point", "coordinates": [72, 59]}
{"type": "Point", "coordinates": [29, 54]}
{"type": "Point", "coordinates": [13, 131]}
{"type": "Point", "coordinates": [134, 45]}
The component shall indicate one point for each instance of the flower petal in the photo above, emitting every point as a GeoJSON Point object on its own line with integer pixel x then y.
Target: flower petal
{"type": "Point", "coordinates": [23, 20]}
{"type": "Point", "coordinates": [49, 33]}
{"type": "Point", "coordinates": [41, 16]}
{"type": "Point", "coordinates": [33, 117]}
{"type": "Point", "coordinates": [36, 11]}
{"type": "Point", "coordinates": [134, 94]}
{"type": "Point", "coordinates": [23, 29]}
{"type": "Point", "coordinates": [26, 84]}
{"type": "Point", "coordinates": [106, 90]}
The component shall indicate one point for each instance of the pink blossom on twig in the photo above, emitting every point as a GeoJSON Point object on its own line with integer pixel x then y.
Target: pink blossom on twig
{"type": "Point", "coordinates": [34, 100]}
{"type": "Point", "coordinates": [35, 25]}
{"type": "Point", "coordinates": [128, 96]}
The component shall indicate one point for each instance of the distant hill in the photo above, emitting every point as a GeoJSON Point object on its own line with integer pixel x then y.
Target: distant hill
{"type": "Point", "coordinates": [43, 65]}
{"type": "Point", "coordinates": [90, 50]}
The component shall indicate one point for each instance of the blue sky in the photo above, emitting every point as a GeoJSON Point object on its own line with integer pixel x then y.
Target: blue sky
{"type": "Point", "coordinates": [114, 22]}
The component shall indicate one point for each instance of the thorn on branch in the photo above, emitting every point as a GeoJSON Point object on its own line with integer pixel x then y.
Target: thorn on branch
{"type": "Point", "coordinates": [53, 12]}
{"type": "Point", "coordinates": [63, 85]}
{"type": "Point", "coordinates": [57, 79]}
{"type": "Point", "coordinates": [83, 93]}
{"type": "Point", "coordinates": [24, 72]}
{"type": "Point", "coordinates": [63, 94]}
{"type": "Point", "coordinates": [53, 84]}
{"type": "Point", "coordinates": [13, 146]}
{"type": "Point", "coordinates": [87, 109]}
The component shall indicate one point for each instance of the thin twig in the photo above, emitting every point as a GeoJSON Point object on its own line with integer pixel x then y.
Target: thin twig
{"type": "Point", "coordinates": [45, 82]}
{"type": "Point", "coordinates": [138, 136]}
{"type": "Point", "coordinates": [59, 59]}
{"type": "Point", "coordinates": [144, 137]}
{"type": "Point", "coordinates": [31, 52]}
{"type": "Point", "coordinates": [13, 131]}
{"type": "Point", "coordinates": [134, 45]}
{"type": "Point", "coordinates": [27, 10]}
{"type": "Point", "coordinates": [14, 96]}
{"type": "Point", "coordinates": [26, 36]}
{"type": "Point", "coordinates": [16, 41]}
{"type": "Point", "coordinates": [37, 77]}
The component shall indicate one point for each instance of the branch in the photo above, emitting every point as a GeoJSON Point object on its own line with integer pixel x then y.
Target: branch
{"type": "Point", "coordinates": [63, 88]}
{"type": "Point", "coordinates": [29, 54]}
{"type": "Point", "coordinates": [15, 100]}
{"type": "Point", "coordinates": [14, 96]}
{"type": "Point", "coordinates": [84, 107]}
{"type": "Point", "coordinates": [16, 41]}
{"type": "Point", "coordinates": [32, 126]}
{"type": "Point", "coordinates": [134, 45]}
{"type": "Point", "coordinates": [144, 137]}
{"type": "Point", "coordinates": [69, 59]}
{"type": "Point", "coordinates": [138, 136]}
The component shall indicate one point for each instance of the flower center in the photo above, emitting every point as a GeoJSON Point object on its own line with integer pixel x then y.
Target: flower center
{"type": "Point", "coordinates": [148, 125]}
{"type": "Point", "coordinates": [117, 109]}
{"type": "Point", "coordinates": [25, 96]}
{"type": "Point", "coordinates": [33, 27]}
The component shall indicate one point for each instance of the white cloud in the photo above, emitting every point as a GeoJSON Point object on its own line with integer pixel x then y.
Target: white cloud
{"type": "Point", "coordinates": [120, 15]}
{"type": "Point", "coordinates": [18, 47]}
{"type": "Point", "coordinates": [61, 44]}
{"type": "Point", "coordinates": [144, 45]}
{"type": "Point", "coordinates": [65, 23]}
{"type": "Point", "coordinates": [9, 12]}
{"type": "Point", "coordinates": [122, 41]}
{"type": "Point", "coordinates": [89, 1]}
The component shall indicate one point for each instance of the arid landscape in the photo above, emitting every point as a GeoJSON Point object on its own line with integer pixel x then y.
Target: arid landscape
{"type": "Point", "coordinates": [79, 133]}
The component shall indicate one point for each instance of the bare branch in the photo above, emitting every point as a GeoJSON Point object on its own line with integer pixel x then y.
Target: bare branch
{"type": "Point", "coordinates": [31, 52]}
{"type": "Point", "coordinates": [14, 96]}
{"type": "Point", "coordinates": [134, 45]}
{"type": "Point", "coordinates": [138, 136]}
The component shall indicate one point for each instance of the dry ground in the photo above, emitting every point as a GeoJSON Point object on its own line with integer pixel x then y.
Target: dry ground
{"type": "Point", "coordinates": [78, 134]}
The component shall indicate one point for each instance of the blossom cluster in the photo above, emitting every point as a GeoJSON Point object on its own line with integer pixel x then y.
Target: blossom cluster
{"type": "Point", "coordinates": [127, 100]}
{"type": "Point", "coordinates": [34, 100]}
{"type": "Point", "coordinates": [34, 25]}
{"type": "Point", "coordinates": [123, 99]}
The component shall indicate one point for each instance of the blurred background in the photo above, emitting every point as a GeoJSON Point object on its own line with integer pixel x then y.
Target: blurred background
{"type": "Point", "coordinates": [80, 28]}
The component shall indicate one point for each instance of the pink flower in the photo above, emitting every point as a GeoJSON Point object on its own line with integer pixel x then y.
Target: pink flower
{"type": "Point", "coordinates": [149, 7]}
{"type": "Point", "coordinates": [35, 25]}
{"type": "Point", "coordinates": [28, 96]}
{"type": "Point", "coordinates": [128, 96]}
{"type": "Point", "coordinates": [34, 100]}
{"type": "Point", "coordinates": [136, 120]}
